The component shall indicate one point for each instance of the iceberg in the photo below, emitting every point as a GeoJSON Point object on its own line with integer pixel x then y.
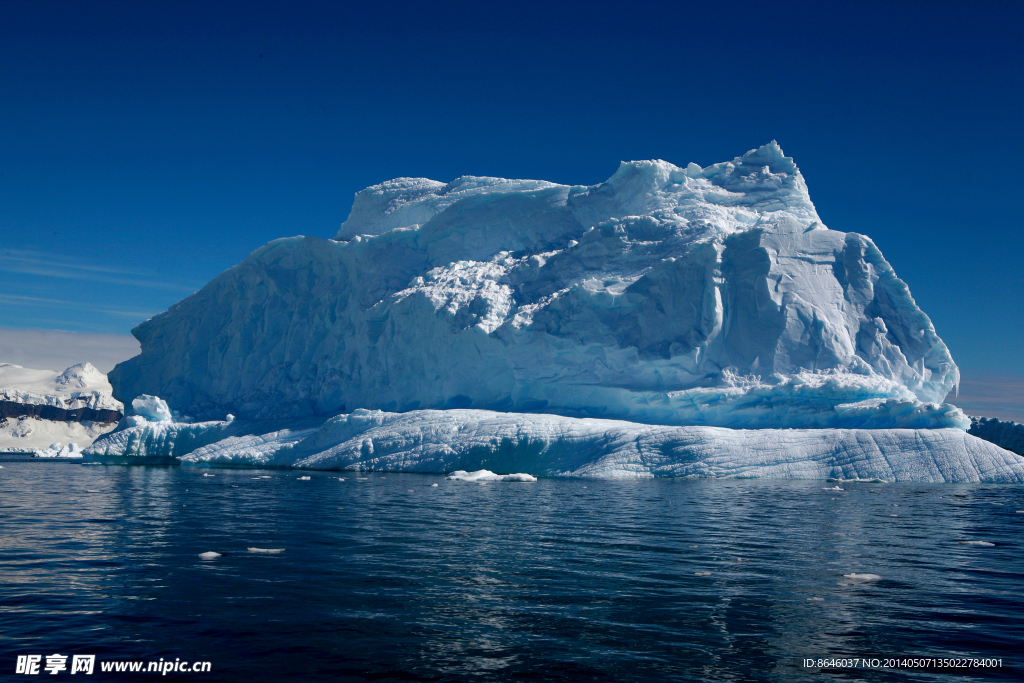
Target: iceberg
{"type": "Point", "coordinates": [669, 322]}
{"type": "Point", "coordinates": [666, 295]}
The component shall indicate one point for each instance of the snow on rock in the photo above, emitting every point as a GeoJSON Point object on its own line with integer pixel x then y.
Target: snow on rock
{"type": "Point", "coordinates": [80, 386]}
{"type": "Point", "coordinates": [38, 407]}
{"type": "Point", "coordinates": [665, 295]}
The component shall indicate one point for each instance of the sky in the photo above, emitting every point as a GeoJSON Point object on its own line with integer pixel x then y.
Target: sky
{"type": "Point", "coordinates": [147, 147]}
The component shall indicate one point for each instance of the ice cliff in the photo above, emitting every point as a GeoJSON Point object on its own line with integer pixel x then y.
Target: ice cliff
{"type": "Point", "coordinates": [666, 295]}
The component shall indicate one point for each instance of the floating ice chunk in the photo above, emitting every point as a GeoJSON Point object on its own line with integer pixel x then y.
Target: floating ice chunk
{"type": "Point", "coordinates": [487, 475]}
{"type": "Point", "coordinates": [153, 408]}
{"type": "Point", "coordinates": [57, 451]}
{"type": "Point", "coordinates": [209, 555]}
{"type": "Point", "coordinates": [432, 485]}
{"type": "Point", "coordinates": [300, 478]}
{"type": "Point", "coordinates": [206, 474]}
{"type": "Point", "coordinates": [985, 543]}
{"type": "Point", "coordinates": [702, 573]}
{"type": "Point", "coordinates": [834, 488]}
{"type": "Point", "coordinates": [815, 599]}
{"type": "Point", "coordinates": [859, 481]}
{"type": "Point", "coordinates": [341, 478]}
{"type": "Point", "coordinates": [861, 578]}
{"type": "Point", "coordinates": [266, 550]}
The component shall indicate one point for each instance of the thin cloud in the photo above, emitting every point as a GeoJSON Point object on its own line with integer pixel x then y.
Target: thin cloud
{"type": "Point", "coordinates": [28, 262]}
{"type": "Point", "coordinates": [16, 300]}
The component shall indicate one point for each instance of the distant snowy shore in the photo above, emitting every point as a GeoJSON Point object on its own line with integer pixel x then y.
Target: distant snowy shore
{"type": "Point", "coordinates": [41, 407]}
{"type": "Point", "coordinates": [443, 441]}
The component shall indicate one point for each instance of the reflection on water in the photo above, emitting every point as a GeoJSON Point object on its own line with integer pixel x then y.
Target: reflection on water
{"type": "Point", "coordinates": [389, 578]}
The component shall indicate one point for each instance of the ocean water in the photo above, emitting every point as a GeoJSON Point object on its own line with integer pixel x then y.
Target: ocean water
{"type": "Point", "coordinates": [414, 578]}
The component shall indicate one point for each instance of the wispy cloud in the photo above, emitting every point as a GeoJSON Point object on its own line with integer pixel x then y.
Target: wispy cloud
{"type": "Point", "coordinates": [15, 300]}
{"type": "Point", "coordinates": [31, 262]}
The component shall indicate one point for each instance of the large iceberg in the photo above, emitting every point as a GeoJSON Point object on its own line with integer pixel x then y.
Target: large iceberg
{"type": "Point", "coordinates": [667, 295]}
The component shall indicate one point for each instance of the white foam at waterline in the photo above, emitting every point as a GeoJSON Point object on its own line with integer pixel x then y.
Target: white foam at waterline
{"type": "Point", "coordinates": [860, 578]}
{"type": "Point", "coordinates": [265, 550]}
{"type": "Point", "coordinates": [209, 555]}
{"type": "Point", "coordinates": [986, 543]}
{"type": "Point", "coordinates": [858, 481]}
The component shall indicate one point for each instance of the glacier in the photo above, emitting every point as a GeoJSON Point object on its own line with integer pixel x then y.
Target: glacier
{"type": "Point", "coordinates": [704, 317]}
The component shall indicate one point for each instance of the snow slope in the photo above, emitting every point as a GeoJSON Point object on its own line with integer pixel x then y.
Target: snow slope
{"type": "Point", "coordinates": [443, 441]}
{"type": "Point", "coordinates": [80, 386]}
{"type": "Point", "coordinates": [665, 295]}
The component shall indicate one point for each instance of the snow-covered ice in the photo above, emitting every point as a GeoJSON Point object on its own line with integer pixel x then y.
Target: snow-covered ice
{"type": "Point", "coordinates": [443, 441]}
{"type": "Point", "coordinates": [56, 450]}
{"type": "Point", "coordinates": [673, 295]}
{"type": "Point", "coordinates": [153, 408]}
{"type": "Point", "coordinates": [671, 321]}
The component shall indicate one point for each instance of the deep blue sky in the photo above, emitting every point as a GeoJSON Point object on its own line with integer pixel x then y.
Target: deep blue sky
{"type": "Point", "coordinates": [148, 146]}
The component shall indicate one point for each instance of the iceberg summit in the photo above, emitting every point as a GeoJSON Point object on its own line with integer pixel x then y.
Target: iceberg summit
{"type": "Point", "coordinates": [706, 314]}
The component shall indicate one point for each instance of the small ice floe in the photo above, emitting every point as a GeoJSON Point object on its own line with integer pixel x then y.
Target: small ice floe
{"type": "Point", "coordinates": [985, 543]}
{"type": "Point", "coordinates": [341, 478]}
{"type": "Point", "coordinates": [264, 476]}
{"type": "Point", "coordinates": [209, 555]}
{"type": "Point", "coordinates": [487, 475]}
{"type": "Point", "coordinates": [861, 578]}
{"type": "Point", "coordinates": [815, 599]}
{"type": "Point", "coordinates": [206, 474]}
{"type": "Point", "coordinates": [692, 546]}
{"type": "Point", "coordinates": [702, 573]}
{"type": "Point", "coordinates": [303, 478]}
{"type": "Point", "coordinates": [435, 485]}
{"type": "Point", "coordinates": [92, 491]}
{"type": "Point", "coordinates": [266, 550]}
{"type": "Point", "coordinates": [834, 488]}
{"type": "Point", "coordinates": [856, 481]}
{"type": "Point", "coordinates": [1020, 512]}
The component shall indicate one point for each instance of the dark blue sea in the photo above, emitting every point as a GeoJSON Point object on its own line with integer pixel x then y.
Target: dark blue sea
{"type": "Point", "coordinates": [387, 577]}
